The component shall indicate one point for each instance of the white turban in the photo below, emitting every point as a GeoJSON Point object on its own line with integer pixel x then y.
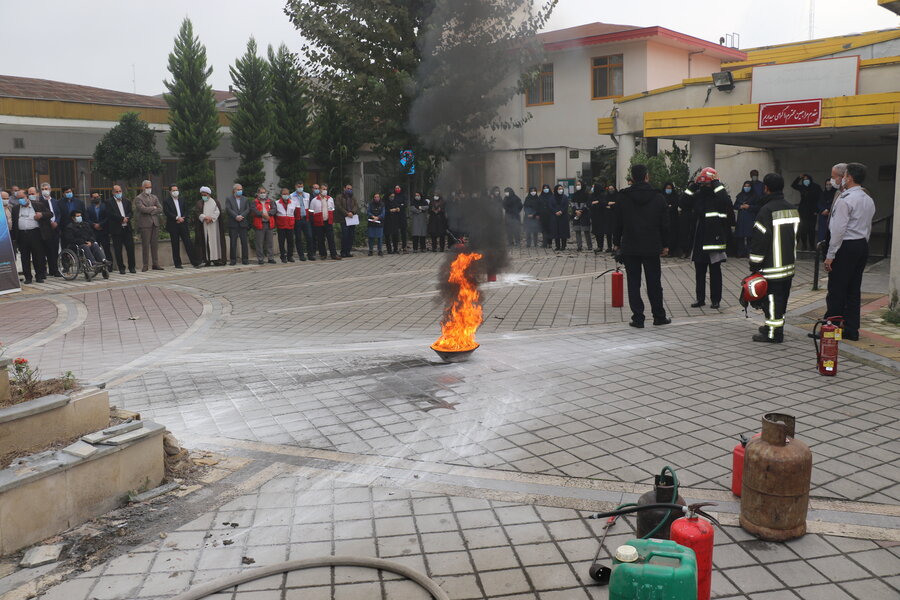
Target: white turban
{"type": "Point", "coordinates": [205, 189]}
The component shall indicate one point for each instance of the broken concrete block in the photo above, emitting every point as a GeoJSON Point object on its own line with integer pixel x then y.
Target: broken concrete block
{"type": "Point", "coordinates": [123, 428]}
{"type": "Point", "coordinates": [80, 449]}
{"type": "Point", "coordinates": [41, 555]}
{"type": "Point", "coordinates": [111, 432]}
{"type": "Point", "coordinates": [127, 437]}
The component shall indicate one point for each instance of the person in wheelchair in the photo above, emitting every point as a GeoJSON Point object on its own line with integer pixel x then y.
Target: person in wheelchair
{"type": "Point", "coordinates": [80, 234]}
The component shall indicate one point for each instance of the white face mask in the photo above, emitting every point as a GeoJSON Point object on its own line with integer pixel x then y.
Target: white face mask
{"type": "Point", "coordinates": [300, 190]}
{"type": "Point", "coordinates": [45, 193]}
{"type": "Point", "coordinates": [534, 193]}
{"type": "Point", "coordinates": [577, 187]}
{"type": "Point", "coordinates": [324, 192]}
{"type": "Point", "coordinates": [175, 194]}
{"type": "Point", "coordinates": [835, 183]}
{"type": "Point", "coordinates": [148, 191]}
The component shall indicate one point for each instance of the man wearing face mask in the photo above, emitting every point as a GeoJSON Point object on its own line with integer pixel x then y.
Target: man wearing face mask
{"type": "Point", "coordinates": [120, 229]}
{"type": "Point", "coordinates": [263, 212]}
{"type": "Point", "coordinates": [148, 211]}
{"type": "Point", "coordinates": [302, 227]}
{"type": "Point", "coordinates": [71, 203]}
{"type": "Point", "coordinates": [237, 211]}
{"type": "Point", "coordinates": [824, 209]}
{"type": "Point", "coordinates": [95, 216]}
{"type": "Point", "coordinates": [756, 184]}
{"type": "Point", "coordinates": [79, 233]}
{"type": "Point", "coordinates": [31, 226]}
{"type": "Point", "coordinates": [322, 209]}
{"type": "Point", "coordinates": [179, 231]}
{"type": "Point", "coordinates": [59, 219]}
{"type": "Point", "coordinates": [345, 207]}
{"type": "Point", "coordinates": [285, 209]}
{"type": "Point", "coordinates": [849, 227]}
{"type": "Point", "coordinates": [810, 194]}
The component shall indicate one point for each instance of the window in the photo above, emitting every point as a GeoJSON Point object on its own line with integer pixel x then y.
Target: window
{"type": "Point", "coordinates": [19, 171]}
{"type": "Point", "coordinates": [541, 170]}
{"type": "Point", "coordinates": [606, 73]}
{"type": "Point", "coordinates": [541, 89]}
{"type": "Point", "coordinates": [62, 175]}
{"type": "Point", "coordinates": [100, 184]}
{"type": "Point", "coordinates": [169, 173]}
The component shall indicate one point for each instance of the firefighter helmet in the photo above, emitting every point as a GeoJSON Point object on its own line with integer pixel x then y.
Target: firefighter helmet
{"type": "Point", "coordinates": [707, 175]}
{"type": "Point", "coordinates": [754, 288]}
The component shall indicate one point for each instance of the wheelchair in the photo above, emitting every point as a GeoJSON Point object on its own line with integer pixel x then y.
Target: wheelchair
{"type": "Point", "coordinates": [74, 261]}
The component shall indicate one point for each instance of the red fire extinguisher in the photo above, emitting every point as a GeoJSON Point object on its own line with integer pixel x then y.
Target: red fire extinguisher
{"type": "Point", "coordinates": [737, 465]}
{"type": "Point", "coordinates": [696, 533]}
{"type": "Point", "coordinates": [826, 335]}
{"type": "Point", "coordinates": [618, 286]}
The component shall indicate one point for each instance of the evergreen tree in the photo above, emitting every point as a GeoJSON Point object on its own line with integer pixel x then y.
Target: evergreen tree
{"type": "Point", "coordinates": [336, 141]}
{"type": "Point", "coordinates": [290, 115]}
{"type": "Point", "coordinates": [127, 152]}
{"type": "Point", "coordinates": [193, 116]}
{"type": "Point", "coordinates": [251, 124]}
{"type": "Point", "coordinates": [426, 75]}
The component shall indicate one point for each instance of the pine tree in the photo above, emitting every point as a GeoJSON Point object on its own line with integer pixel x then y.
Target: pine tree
{"type": "Point", "coordinates": [127, 152]}
{"type": "Point", "coordinates": [427, 75]}
{"type": "Point", "coordinates": [251, 124]}
{"type": "Point", "coordinates": [336, 141]}
{"type": "Point", "coordinates": [290, 115]}
{"type": "Point", "coordinates": [193, 116]}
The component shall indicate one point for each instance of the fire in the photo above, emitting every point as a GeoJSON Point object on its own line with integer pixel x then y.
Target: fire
{"type": "Point", "coordinates": [462, 318]}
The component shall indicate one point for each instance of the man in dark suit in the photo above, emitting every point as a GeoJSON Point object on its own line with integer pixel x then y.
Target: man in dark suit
{"type": "Point", "coordinates": [59, 218]}
{"type": "Point", "coordinates": [96, 216]}
{"type": "Point", "coordinates": [30, 228]}
{"type": "Point", "coordinates": [177, 226]}
{"type": "Point", "coordinates": [118, 211]}
{"type": "Point", "coordinates": [238, 210]}
{"type": "Point", "coordinates": [71, 203]}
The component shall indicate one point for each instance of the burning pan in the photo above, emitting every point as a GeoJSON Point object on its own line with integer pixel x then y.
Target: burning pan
{"type": "Point", "coordinates": [452, 356]}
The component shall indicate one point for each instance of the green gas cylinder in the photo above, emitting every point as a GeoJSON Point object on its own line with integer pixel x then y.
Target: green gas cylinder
{"type": "Point", "coordinates": [653, 569]}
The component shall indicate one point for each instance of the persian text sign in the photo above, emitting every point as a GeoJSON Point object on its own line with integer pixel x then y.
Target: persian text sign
{"type": "Point", "coordinates": [784, 115]}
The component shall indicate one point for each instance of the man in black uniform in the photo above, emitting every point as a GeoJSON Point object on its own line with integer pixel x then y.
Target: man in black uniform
{"type": "Point", "coordinates": [772, 253]}
{"type": "Point", "coordinates": [641, 231]}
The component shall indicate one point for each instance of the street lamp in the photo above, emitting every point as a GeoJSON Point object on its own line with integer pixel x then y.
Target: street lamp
{"type": "Point", "coordinates": [724, 81]}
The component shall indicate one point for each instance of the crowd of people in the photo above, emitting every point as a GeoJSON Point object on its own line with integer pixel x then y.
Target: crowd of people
{"type": "Point", "coordinates": [640, 223]}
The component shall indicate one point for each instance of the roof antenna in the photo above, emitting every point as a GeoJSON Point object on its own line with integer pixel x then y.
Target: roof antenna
{"type": "Point", "coordinates": [133, 79]}
{"type": "Point", "coordinates": [812, 19]}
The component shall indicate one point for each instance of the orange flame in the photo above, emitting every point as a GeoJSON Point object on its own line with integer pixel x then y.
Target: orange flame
{"type": "Point", "coordinates": [463, 317]}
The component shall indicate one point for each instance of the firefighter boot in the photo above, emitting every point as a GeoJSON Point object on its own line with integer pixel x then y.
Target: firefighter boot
{"type": "Point", "coordinates": [774, 337]}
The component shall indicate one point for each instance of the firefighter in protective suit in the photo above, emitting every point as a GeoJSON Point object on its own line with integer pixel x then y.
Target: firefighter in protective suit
{"type": "Point", "coordinates": [714, 216]}
{"type": "Point", "coordinates": [773, 247]}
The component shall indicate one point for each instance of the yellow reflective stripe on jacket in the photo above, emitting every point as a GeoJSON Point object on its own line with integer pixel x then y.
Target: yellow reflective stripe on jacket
{"type": "Point", "coordinates": [761, 227]}
{"type": "Point", "coordinates": [689, 192]}
{"type": "Point", "coordinates": [757, 258]}
{"type": "Point", "coordinates": [719, 189]}
{"type": "Point", "coordinates": [716, 214]}
{"type": "Point", "coordinates": [714, 247]}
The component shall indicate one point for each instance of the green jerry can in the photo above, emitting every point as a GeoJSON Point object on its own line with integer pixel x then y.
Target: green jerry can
{"type": "Point", "coordinates": [653, 570]}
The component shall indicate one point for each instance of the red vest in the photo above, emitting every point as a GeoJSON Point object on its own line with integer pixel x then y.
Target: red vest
{"type": "Point", "coordinates": [284, 218]}
{"type": "Point", "coordinates": [317, 217]}
{"type": "Point", "coordinates": [262, 206]}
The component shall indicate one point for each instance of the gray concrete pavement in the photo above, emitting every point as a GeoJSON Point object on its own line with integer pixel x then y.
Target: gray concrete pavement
{"type": "Point", "coordinates": [334, 357]}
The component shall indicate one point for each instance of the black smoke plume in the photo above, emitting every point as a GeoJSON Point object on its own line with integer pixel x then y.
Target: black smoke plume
{"type": "Point", "coordinates": [477, 56]}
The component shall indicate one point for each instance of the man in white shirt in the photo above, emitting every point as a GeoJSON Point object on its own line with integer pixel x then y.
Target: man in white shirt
{"type": "Point", "coordinates": [850, 226]}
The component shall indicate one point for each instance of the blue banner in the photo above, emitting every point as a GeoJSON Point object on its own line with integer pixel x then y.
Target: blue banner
{"type": "Point", "coordinates": [9, 276]}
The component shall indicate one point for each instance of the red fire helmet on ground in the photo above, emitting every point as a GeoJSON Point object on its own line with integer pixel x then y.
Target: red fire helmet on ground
{"type": "Point", "coordinates": [754, 288]}
{"type": "Point", "coordinates": [707, 175]}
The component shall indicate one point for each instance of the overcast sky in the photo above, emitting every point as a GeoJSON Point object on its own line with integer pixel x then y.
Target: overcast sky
{"type": "Point", "coordinates": [124, 44]}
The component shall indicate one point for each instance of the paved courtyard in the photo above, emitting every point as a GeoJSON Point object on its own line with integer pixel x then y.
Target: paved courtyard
{"type": "Point", "coordinates": [480, 474]}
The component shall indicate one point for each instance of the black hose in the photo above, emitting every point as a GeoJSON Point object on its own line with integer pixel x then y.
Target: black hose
{"type": "Point", "coordinates": [633, 509]}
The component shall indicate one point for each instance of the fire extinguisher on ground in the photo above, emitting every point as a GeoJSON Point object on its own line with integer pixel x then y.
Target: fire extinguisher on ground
{"type": "Point", "coordinates": [826, 334]}
{"type": "Point", "coordinates": [618, 286]}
